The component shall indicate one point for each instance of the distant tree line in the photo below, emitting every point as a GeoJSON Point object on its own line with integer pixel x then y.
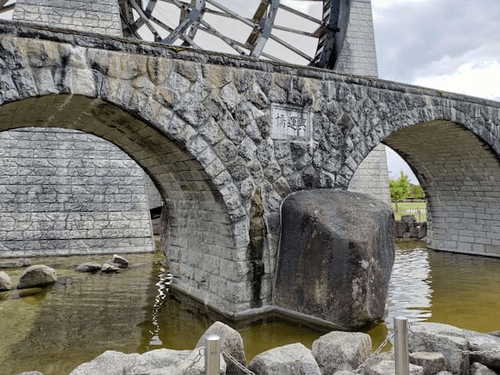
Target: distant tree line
{"type": "Point", "coordinates": [401, 189]}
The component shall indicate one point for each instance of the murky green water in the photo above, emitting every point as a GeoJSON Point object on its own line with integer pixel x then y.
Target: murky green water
{"type": "Point", "coordinates": [58, 328]}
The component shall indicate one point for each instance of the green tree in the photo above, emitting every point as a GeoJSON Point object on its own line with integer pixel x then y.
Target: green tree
{"type": "Point", "coordinates": [400, 188]}
{"type": "Point", "coordinates": [416, 192]}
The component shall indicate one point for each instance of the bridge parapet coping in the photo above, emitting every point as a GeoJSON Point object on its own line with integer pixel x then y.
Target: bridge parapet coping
{"type": "Point", "coordinates": [132, 46]}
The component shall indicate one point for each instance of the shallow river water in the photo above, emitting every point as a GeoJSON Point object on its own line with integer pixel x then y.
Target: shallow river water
{"type": "Point", "coordinates": [58, 328]}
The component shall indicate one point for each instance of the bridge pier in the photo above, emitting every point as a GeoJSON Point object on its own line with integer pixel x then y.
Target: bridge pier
{"type": "Point", "coordinates": [205, 127]}
{"type": "Point", "coordinates": [461, 178]}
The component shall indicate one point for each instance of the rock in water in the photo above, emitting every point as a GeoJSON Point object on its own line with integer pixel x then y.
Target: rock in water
{"type": "Point", "coordinates": [479, 369]}
{"type": "Point", "coordinates": [120, 261]}
{"type": "Point", "coordinates": [336, 257]}
{"type": "Point", "coordinates": [337, 351]}
{"type": "Point", "coordinates": [16, 263]}
{"type": "Point", "coordinates": [293, 359]}
{"type": "Point", "coordinates": [88, 267]}
{"type": "Point", "coordinates": [109, 268]}
{"type": "Point", "coordinates": [231, 342]}
{"type": "Point", "coordinates": [5, 282]}
{"type": "Point", "coordinates": [38, 275]}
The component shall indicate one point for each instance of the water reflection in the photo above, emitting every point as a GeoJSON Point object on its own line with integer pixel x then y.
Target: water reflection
{"type": "Point", "coordinates": [410, 288]}
{"type": "Point", "coordinates": [58, 328]}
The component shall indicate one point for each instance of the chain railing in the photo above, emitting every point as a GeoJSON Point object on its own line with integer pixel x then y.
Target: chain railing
{"type": "Point", "coordinates": [402, 329]}
{"type": "Point", "coordinates": [229, 358]}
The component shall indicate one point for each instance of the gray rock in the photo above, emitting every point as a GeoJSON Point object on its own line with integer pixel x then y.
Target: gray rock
{"type": "Point", "coordinates": [388, 367]}
{"type": "Point", "coordinates": [479, 369]}
{"type": "Point", "coordinates": [156, 362]}
{"type": "Point", "coordinates": [30, 373]}
{"type": "Point", "coordinates": [109, 268]}
{"type": "Point", "coordinates": [444, 373]}
{"type": "Point", "coordinates": [494, 333]}
{"type": "Point", "coordinates": [487, 348]}
{"type": "Point", "coordinates": [441, 338]}
{"type": "Point", "coordinates": [38, 275]}
{"type": "Point", "coordinates": [231, 342]}
{"type": "Point", "coordinates": [293, 359]}
{"type": "Point", "coordinates": [15, 263]}
{"type": "Point", "coordinates": [344, 372]}
{"type": "Point", "coordinates": [24, 262]}
{"type": "Point", "coordinates": [341, 351]}
{"type": "Point", "coordinates": [120, 261]}
{"type": "Point", "coordinates": [88, 267]}
{"type": "Point", "coordinates": [351, 236]}
{"type": "Point", "coordinates": [430, 362]}
{"type": "Point", "coordinates": [5, 282]}
{"type": "Point", "coordinates": [8, 264]}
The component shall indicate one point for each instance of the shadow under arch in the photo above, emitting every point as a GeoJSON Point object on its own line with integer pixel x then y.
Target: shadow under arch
{"type": "Point", "coordinates": [460, 175]}
{"type": "Point", "coordinates": [200, 229]}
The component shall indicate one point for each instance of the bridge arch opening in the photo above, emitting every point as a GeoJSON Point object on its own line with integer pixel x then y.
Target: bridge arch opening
{"type": "Point", "coordinates": [199, 233]}
{"type": "Point", "coordinates": [460, 175]}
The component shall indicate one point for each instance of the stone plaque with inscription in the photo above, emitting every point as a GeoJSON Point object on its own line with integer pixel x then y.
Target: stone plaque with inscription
{"type": "Point", "coordinates": [291, 122]}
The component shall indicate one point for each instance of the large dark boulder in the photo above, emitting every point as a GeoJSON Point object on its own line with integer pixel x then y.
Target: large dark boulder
{"type": "Point", "coordinates": [336, 257]}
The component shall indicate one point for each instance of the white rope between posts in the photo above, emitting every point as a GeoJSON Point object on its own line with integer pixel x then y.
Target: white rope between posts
{"type": "Point", "coordinates": [237, 363]}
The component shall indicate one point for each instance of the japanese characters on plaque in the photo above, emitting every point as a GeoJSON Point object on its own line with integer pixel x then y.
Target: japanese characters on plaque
{"type": "Point", "coordinates": [290, 122]}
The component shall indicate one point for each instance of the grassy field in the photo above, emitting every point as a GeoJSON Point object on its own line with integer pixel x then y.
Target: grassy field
{"type": "Point", "coordinates": [417, 209]}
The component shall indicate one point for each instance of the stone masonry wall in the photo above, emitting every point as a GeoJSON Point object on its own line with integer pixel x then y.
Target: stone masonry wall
{"type": "Point", "coordinates": [98, 16]}
{"type": "Point", "coordinates": [202, 125]}
{"type": "Point", "coordinates": [66, 192]}
{"type": "Point", "coordinates": [70, 192]}
{"type": "Point", "coordinates": [372, 176]}
{"type": "Point", "coordinates": [359, 57]}
{"type": "Point", "coordinates": [461, 178]}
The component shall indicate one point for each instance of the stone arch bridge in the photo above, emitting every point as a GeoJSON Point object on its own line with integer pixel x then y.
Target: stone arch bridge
{"type": "Point", "coordinates": [226, 139]}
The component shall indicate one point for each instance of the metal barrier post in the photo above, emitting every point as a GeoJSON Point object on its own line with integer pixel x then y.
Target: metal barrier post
{"type": "Point", "coordinates": [401, 346]}
{"type": "Point", "coordinates": [212, 355]}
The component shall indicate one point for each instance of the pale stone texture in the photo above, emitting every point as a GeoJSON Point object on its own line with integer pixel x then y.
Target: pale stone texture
{"type": "Point", "coordinates": [199, 123]}
{"type": "Point", "coordinates": [442, 338]}
{"type": "Point", "coordinates": [99, 16]}
{"type": "Point", "coordinates": [429, 361]}
{"type": "Point", "coordinates": [338, 351]}
{"type": "Point", "coordinates": [155, 362]}
{"type": "Point", "coordinates": [372, 176]}
{"type": "Point", "coordinates": [289, 359]}
{"type": "Point", "coordinates": [66, 192]}
{"type": "Point", "coordinates": [231, 343]}
{"type": "Point", "coordinates": [388, 367]}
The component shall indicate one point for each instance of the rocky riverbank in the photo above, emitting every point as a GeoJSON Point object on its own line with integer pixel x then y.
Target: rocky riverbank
{"type": "Point", "coordinates": [434, 349]}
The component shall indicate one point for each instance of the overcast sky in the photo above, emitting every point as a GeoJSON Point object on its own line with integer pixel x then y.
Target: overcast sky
{"type": "Point", "coordinates": [452, 45]}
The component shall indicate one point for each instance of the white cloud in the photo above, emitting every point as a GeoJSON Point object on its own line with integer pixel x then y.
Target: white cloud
{"type": "Point", "coordinates": [477, 79]}
{"type": "Point", "coordinates": [301, 5]}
